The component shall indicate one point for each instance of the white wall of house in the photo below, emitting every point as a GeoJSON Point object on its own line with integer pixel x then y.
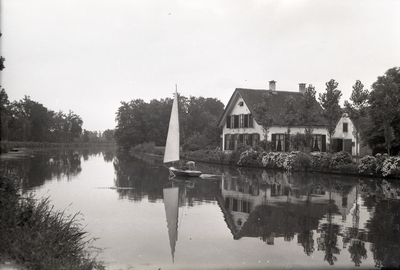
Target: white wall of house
{"type": "Point", "coordinates": [341, 133]}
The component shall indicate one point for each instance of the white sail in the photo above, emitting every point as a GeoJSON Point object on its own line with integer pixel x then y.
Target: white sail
{"type": "Point", "coordinates": [172, 145]}
{"type": "Point", "coordinates": [171, 203]}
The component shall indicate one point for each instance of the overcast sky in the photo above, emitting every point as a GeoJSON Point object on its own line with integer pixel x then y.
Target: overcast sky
{"type": "Point", "coordinates": [89, 55]}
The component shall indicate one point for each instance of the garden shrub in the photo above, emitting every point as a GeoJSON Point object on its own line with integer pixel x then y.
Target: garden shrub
{"type": "Point", "coordinates": [391, 167]}
{"type": "Point", "coordinates": [249, 158]}
{"type": "Point", "coordinates": [340, 158]}
{"type": "Point", "coordinates": [379, 162]}
{"type": "Point", "coordinates": [320, 160]}
{"type": "Point", "coordinates": [367, 165]}
{"type": "Point", "coordinates": [301, 161]}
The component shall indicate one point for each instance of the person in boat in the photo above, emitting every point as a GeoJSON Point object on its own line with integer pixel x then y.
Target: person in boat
{"type": "Point", "coordinates": [190, 165]}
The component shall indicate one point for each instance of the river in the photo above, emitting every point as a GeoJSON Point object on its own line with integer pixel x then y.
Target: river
{"type": "Point", "coordinates": [236, 218]}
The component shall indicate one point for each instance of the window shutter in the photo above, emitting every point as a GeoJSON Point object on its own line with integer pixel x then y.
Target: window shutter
{"type": "Point", "coordinates": [273, 142]}
{"type": "Point", "coordinates": [236, 121]}
{"type": "Point", "coordinates": [250, 121]}
{"type": "Point", "coordinates": [246, 120]}
{"type": "Point", "coordinates": [228, 121]}
{"type": "Point", "coordinates": [323, 143]}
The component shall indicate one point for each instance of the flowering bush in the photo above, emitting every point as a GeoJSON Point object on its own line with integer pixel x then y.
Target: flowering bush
{"type": "Point", "coordinates": [269, 159]}
{"type": "Point", "coordinates": [379, 162]}
{"type": "Point", "coordinates": [320, 160]}
{"type": "Point", "coordinates": [249, 157]}
{"type": "Point", "coordinates": [367, 165]}
{"type": "Point", "coordinates": [340, 158]}
{"type": "Point", "coordinates": [391, 166]}
{"type": "Point", "coordinates": [280, 160]}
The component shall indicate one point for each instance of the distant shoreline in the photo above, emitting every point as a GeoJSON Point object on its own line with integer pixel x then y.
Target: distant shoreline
{"type": "Point", "coordinates": [7, 146]}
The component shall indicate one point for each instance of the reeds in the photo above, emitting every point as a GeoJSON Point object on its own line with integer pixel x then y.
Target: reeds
{"type": "Point", "coordinates": [36, 236]}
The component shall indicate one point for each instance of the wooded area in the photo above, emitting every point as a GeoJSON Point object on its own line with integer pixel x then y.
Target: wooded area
{"type": "Point", "coordinates": [140, 122]}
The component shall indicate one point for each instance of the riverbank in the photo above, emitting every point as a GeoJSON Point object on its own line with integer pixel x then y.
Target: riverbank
{"type": "Point", "coordinates": [7, 146]}
{"type": "Point", "coordinates": [34, 236]}
{"type": "Point", "coordinates": [295, 161]}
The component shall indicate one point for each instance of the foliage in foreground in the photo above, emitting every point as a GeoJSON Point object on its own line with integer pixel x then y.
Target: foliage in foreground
{"type": "Point", "coordinates": [37, 237]}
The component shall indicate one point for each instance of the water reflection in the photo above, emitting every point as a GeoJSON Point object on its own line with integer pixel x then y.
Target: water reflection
{"type": "Point", "coordinates": [46, 165]}
{"type": "Point", "coordinates": [274, 204]}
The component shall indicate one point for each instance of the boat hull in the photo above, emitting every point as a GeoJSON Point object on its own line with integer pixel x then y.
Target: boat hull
{"type": "Point", "coordinates": [187, 173]}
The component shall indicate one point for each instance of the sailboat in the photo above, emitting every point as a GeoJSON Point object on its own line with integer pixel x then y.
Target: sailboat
{"type": "Point", "coordinates": [171, 153]}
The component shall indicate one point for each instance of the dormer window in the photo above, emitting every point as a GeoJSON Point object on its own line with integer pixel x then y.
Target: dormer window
{"type": "Point", "coordinates": [240, 103]}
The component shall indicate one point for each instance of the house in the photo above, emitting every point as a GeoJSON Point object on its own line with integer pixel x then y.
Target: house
{"type": "Point", "coordinates": [344, 139]}
{"type": "Point", "coordinates": [240, 125]}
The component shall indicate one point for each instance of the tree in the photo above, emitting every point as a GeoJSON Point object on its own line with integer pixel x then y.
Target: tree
{"type": "Point", "coordinates": [74, 126]}
{"type": "Point", "coordinates": [5, 114]}
{"type": "Point", "coordinates": [307, 113]}
{"type": "Point", "coordinates": [86, 136]}
{"type": "Point", "coordinates": [108, 135]}
{"type": "Point", "coordinates": [262, 112]}
{"type": "Point", "coordinates": [384, 111]}
{"type": "Point", "coordinates": [131, 129]}
{"type": "Point", "coordinates": [357, 109]}
{"type": "Point", "coordinates": [332, 111]}
{"type": "Point", "coordinates": [290, 116]}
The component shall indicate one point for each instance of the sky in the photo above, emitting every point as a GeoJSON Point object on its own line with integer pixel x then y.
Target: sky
{"type": "Point", "coordinates": [89, 55]}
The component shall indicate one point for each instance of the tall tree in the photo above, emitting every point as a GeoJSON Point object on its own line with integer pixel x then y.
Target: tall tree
{"type": "Point", "coordinates": [262, 112]}
{"type": "Point", "coordinates": [384, 110]}
{"type": "Point", "coordinates": [74, 124]}
{"type": "Point", "coordinates": [5, 113]}
{"type": "Point", "coordinates": [357, 109]}
{"type": "Point", "coordinates": [329, 101]}
{"type": "Point", "coordinates": [290, 115]}
{"type": "Point", "coordinates": [307, 113]}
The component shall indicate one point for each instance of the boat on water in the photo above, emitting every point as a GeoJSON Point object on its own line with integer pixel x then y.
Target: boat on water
{"type": "Point", "coordinates": [172, 146]}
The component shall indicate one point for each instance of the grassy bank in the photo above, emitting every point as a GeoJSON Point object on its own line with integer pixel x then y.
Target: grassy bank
{"type": "Point", "coordinates": [35, 236]}
{"type": "Point", "coordinates": [6, 146]}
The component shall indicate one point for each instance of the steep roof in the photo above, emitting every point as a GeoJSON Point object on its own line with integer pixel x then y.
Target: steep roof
{"type": "Point", "coordinates": [254, 96]}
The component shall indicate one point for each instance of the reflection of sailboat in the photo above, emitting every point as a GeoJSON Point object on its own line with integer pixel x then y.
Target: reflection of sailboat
{"type": "Point", "coordinates": [171, 203]}
{"type": "Point", "coordinates": [172, 145]}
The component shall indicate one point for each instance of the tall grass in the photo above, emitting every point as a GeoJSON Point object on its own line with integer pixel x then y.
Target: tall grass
{"type": "Point", "coordinates": [36, 236]}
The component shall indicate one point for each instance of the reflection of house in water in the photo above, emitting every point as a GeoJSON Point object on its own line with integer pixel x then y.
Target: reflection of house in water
{"type": "Point", "coordinates": [274, 207]}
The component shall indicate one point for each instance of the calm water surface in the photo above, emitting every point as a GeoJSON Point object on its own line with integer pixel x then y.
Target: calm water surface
{"type": "Point", "coordinates": [244, 218]}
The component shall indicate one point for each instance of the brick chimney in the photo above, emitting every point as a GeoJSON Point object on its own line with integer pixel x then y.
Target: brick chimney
{"type": "Point", "coordinates": [302, 88]}
{"type": "Point", "coordinates": [272, 85]}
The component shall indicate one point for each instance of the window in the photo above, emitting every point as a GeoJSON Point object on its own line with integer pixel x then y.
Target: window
{"type": "Point", "coordinates": [229, 142]}
{"type": "Point", "coordinates": [345, 127]}
{"type": "Point", "coordinates": [319, 143]}
{"type": "Point", "coordinates": [241, 120]}
{"type": "Point", "coordinates": [255, 139]}
{"type": "Point", "coordinates": [278, 142]}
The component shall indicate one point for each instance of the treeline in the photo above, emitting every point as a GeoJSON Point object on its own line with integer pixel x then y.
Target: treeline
{"type": "Point", "coordinates": [141, 122]}
{"type": "Point", "coordinates": [28, 120]}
